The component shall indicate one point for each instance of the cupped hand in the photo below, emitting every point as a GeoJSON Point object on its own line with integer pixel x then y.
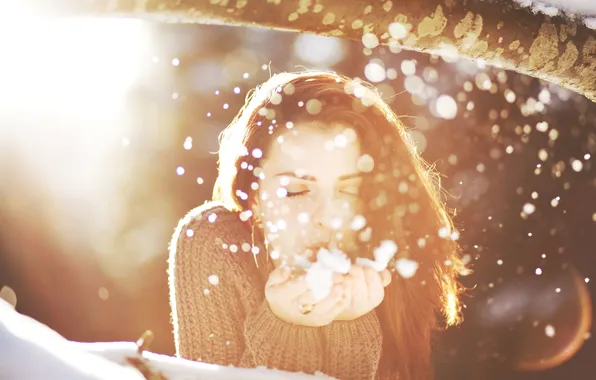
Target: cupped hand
{"type": "Point", "coordinates": [364, 291]}
{"type": "Point", "coordinates": [287, 296]}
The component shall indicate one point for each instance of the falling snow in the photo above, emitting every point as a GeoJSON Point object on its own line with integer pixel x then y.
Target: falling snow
{"type": "Point", "coordinates": [319, 276]}
{"type": "Point", "coordinates": [406, 268]}
{"type": "Point", "coordinates": [502, 143]}
{"type": "Point", "coordinates": [213, 279]}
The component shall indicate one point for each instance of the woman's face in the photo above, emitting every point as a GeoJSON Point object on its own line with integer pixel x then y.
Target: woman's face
{"type": "Point", "coordinates": [308, 195]}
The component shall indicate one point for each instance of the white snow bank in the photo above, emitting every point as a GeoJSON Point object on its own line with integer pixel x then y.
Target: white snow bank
{"type": "Point", "coordinates": [552, 7]}
{"type": "Point", "coordinates": [30, 350]}
{"type": "Point", "coordinates": [585, 9]}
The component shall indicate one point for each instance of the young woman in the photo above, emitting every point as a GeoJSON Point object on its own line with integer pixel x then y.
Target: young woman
{"type": "Point", "coordinates": [315, 160]}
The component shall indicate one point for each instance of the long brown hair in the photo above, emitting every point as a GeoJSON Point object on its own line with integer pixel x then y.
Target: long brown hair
{"type": "Point", "coordinates": [403, 200]}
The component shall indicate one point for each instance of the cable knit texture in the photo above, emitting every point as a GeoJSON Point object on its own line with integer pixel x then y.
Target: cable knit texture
{"type": "Point", "coordinates": [220, 314]}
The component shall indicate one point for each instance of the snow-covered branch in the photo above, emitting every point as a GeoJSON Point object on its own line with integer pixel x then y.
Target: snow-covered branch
{"type": "Point", "coordinates": [555, 46]}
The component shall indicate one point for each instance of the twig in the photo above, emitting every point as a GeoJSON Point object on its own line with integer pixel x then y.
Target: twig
{"type": "Point", "coordinates": [140, 363]}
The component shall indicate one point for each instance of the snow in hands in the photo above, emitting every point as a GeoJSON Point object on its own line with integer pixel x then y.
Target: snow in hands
{"type": "Point", "coordinates": [319, 274]}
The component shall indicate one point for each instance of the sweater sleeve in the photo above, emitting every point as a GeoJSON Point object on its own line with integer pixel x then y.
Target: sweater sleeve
{"type": "Point", "coordinates": [219, 313]}
{"type": "Point", "coordinates": [353, 348]}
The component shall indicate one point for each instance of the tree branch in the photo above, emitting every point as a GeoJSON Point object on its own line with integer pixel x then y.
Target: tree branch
{"type": "Point", "coordinates": [560, 49]}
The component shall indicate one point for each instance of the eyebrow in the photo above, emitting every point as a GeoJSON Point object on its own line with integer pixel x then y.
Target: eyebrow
{"type": "Point", "coordinates": [312, 178]}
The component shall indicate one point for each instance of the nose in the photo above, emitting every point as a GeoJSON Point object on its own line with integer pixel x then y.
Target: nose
{"type": "Point", "coordinates": [319, 213]}
{"type": "Point", "coordinates": [327, 214]}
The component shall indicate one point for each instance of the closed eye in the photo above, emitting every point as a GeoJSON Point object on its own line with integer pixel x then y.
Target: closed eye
{"type": "Point", "coordinates": [297, 193]}
{"type": "Point", "coordinates": [350, 190]}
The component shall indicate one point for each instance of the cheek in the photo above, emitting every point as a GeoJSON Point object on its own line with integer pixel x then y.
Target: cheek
{"type": "Point", "coordinates": [350, 206]}
{"type": "Point", "coordinates": [284, 220]}
{"type": "Point", "coordinates": [349, 212]}
{"type": "Point", "coordinates": [299, 212]}
{"type": "Point", "coordinates": [344, 212]}
{"type": "Point", "coordinates": [286, 209]}
{"type": "Point", "coordinates": [297, 216]}
{"type": "Point", "coordinates": [291, 228]}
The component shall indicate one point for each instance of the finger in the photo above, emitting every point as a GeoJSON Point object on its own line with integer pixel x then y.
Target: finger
{"type": "Point", "coordinates": [305, 298]}
{"type": "Point", "coordinates": [348, 296]}
{"type": "Point", "coordinates": [354, 285]}
{"type": "Point", "coordinates": [357, 271]}
{"type": "Point", "coordinates": [291, 287]}
{"type": "Point", "coordinates": [357, 280]}
{"type": "Point", "coordinates": [337, 308]}
{"type": "Point", "coordinates": [279, 276]}
{"type": "Point", "coordinates": [338, 278]}
{"type": "Point", "coordinates": [358, 286]}
{"type": "Point", "coordinates": [373, 278]}
{"type": "Point", "coordinates": [294, 287]}
{"type": "Point", "coordinates": [338, 292]}
{"type": "Point", "coordinates": [374, 282]}
{"type": "Point", "coordinates": [386, 277]}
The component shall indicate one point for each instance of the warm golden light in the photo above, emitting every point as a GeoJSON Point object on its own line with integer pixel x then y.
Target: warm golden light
{"type": "Point", "coordinates": [79, 66]}
{"type": "Point", "coordinates": [66, 122]}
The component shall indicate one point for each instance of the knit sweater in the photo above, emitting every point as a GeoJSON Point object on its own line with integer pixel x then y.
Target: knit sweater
{"type": "Point", "coordinates": [220, 314]}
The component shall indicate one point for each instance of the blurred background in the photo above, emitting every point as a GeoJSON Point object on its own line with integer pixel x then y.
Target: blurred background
{"type": "Point", "coordinates": [107, 134]}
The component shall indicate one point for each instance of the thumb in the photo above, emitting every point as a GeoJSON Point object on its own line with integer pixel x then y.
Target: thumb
{"type": "Point", "coordinates": [386, 277]}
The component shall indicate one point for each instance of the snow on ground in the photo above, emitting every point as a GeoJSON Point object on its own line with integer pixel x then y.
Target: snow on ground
{"type": "Point", "coordinates": [30, 350]}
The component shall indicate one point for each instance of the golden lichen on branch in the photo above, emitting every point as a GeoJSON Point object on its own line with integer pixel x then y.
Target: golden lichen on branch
{"type": "Point", "coordinates": [545, 47]}
{"type": "Point", "coordinates": [434, 25]}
